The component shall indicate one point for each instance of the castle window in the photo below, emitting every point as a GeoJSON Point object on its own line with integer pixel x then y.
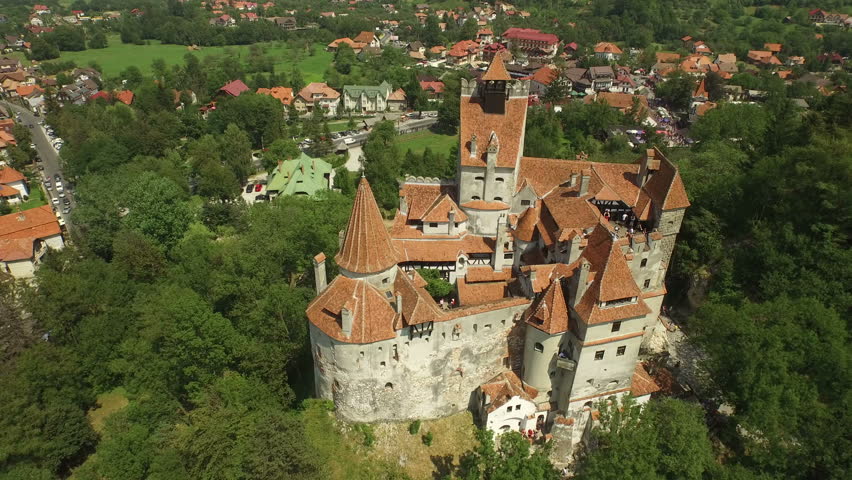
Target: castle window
{"type": "Point", "coordinates": [475, 328]}
{"type": "Point", "coordinates": [620, 351]}
{"type": "Point", "coordinates": [616, 326]}
{"type": "Point", "coordinates": [389, 386]}
{"type": "Point", "coordinates": [475, 197]}
{"type": "Point", "coordinates": [647, 283]}
{"type": "Point", "coordinates": [538, 347]}
{"type": "Point", "coordinates": [599, 355]}
{"type": "Point", "coordinates": [433, 224]}
{"type": "Point", "coordinates": [362, 354]}
{"type": "Point", "coordinates": [552, 373]}
{"type": "Point", "coordinates": [384, 364]}
{"type": "Point", "coordinates": [525, 203]}
{"type": "Point", "coordinates": [509, 408]}
{"type": "Point", "coordinates": [644, 262]}
{"type": "Point", "coordinates": [481, 179]}
{"type": "Point", "coordinates": [487, 326]}
{"type": "Point", "coordinates": [385, 280]}
{"type": "Point", "coordinates": [517, 407]}
{"type": "Point", "coordinates": [498, 199]}
{"type": "Point", "coordinates": [499, 179]}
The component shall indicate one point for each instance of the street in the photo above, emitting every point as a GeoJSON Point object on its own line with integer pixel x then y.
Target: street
{"type": "Point", "coordinates": [50, 160]}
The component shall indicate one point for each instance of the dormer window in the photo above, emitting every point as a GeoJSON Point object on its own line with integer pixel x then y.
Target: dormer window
{"type": "Point", "coordinates": [618, 302]}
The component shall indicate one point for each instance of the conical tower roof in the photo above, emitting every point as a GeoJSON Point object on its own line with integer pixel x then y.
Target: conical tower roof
{"type": "Point", "coordinates": [497, 70]}
{"type": "Point", "coordinates": [549, 313]}
{"type": "Point", "coordinates": [367, 247]}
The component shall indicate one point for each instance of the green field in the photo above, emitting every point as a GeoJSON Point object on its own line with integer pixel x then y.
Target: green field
{"type": "Point", "coordinates": [118, 56]}
{"type": "Point", "coordinates": [36, 197]}
{"type": "Point", "coordinates": [418, 141]}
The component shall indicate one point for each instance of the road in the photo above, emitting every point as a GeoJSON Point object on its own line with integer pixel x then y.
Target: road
{"type": "Point", "coordinates": [49, 156]}
{"type": "Point", "coordinates": [401, 127]}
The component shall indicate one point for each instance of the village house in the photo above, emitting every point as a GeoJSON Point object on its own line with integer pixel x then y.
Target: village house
{"type": "Point", "coordinates": [78, 92]}
{"type": "Point", "coordinates": [233, 89]}
{"type": "Point", "coordinates": [301, 176]}
{"type": "Point", "coordinates": [369, 99]}
{"type": "Point", "coordinates": [13, 185]}
{"type": "Point", "coordinates": [223, 21]}
{"type": "Point", "coordinates": [464, 52]}
{"type": "Point", "coordinates": [433, 88]}
{"type": "Point", "coordinates": [317, 95]}
{"type": "Point", "coordinates": [284, 94]}
{"type": "Point", "coordinates": [608, 51]}
{"type": "Point", "coordinates": [25, 237]}
{"type": "Point", "coordinates": [763, 58]}
{"type": "Point", "coordinates": [285, 23]}
{"type": "Point", "coordinates": [368, 39]}
{"type": "Point", "coordinates": [531, 43]}
{"type": "Point", "coordinates": [600, 78]}
{"type": "Point", "coordinates": [541, 80]}
{"type": "Point", "coordinates": [356, 46]}
{"type": "Point", "coordinates": [623, 102]}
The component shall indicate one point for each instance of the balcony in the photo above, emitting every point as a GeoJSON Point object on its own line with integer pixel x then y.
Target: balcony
{"type": "Point", "coordinates": [566, 363]}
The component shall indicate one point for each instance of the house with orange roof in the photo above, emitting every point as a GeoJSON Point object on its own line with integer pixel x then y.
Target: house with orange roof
{"type": "Point", "coordinates": [356, 46]}
{"type": "Point", "coordinates": [13, 184]}
{"type": "Point", "coordinates": [558, 266]}
{"type": "Point", "coordinates": [25, 237]}
{"type": "Point", "coordinates": [434, 89]}
{"type": "Point", "coordinates": [701, 48]}
{"type": "Point", "coordinates": [368, 39]}
{"type": "Point", "coordinates": [284, 94]}
{"type": "Point", "coordinates": [124, 96]}
{"type": "Point", "coordinates": [608, 51]}
{"type": "Point", "coordinates": [541, 79]}
{"type": "Point", "coordinates": [773, 47]}
{"type": "Point", "coordinates": [531, 43]}
{"type": "Point", "coordinates": [463, 53]}
{"type": "Point", "coordinates": [763, 58]}
{"type": "Point", "coordinates": [317, 95]}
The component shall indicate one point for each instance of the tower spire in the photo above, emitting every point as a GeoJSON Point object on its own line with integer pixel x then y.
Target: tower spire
{"type": "Point", "coordinates": [367, 247]}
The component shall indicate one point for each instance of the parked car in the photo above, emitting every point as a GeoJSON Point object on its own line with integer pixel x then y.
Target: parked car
{"type": "Point", "coordinates": [32, 146]}
{"type": "Point", "coordinates": [66, 201]}
{"type": "Point", "coordinates": [48, 185]}
{"type": "Point", "coordinates": [249, 187]}
{"type": "Point", "coordinates": [67, 209]}
{"type": "Point", "coordinates": [261, 198]}
{"type": "Point", "coordinates": [348, 140]}
{"type": "Point", "coordinates": [258, 187]}
{"type": "Point", "coordinates": [59, 188]}
{"type": "Point", "coordinates": [55, 201]}
{"type": "Point", "coordinates": [56, 177]}
{"type": "Point", "coordinates": [61, 194]}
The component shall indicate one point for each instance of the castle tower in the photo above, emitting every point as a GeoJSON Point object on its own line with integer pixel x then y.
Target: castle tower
{"type": "Point", "coordinates": [493, 115]}
{"type": "Point", "coordinates": [547, 321]}
{"type": "Point", "coordinates": [367, 251]}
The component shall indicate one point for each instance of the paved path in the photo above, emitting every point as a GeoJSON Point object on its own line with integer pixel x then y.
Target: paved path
{"type": "Point", "coordinates": [49, 155]}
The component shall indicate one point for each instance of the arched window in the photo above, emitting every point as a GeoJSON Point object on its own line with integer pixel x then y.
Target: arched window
{"type": "Point", "coordinates": [389, 386]}
{"type": "Point", "coordinates": [475, 197]}
{"type": "Point", "coordinates": [499, 179]}
{"type": "Point", "coordinates": [587, 405]}
{"type": "Point", "coordinates": [498, 199]}
{"type": "Point", "coordinates": [538, 347]}
{"type": "Point", "coordinates": [481, 179]}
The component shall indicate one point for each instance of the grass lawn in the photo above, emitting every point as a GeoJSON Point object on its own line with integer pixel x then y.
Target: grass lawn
{"type": "Point", "coordinates": [36, 198]}
{"type": "Point", "coordinates": [118, 56]}
{"type": "Point", "coordinates": [418, 141]}
{"type": "Point", "coordinates": [108, 403]}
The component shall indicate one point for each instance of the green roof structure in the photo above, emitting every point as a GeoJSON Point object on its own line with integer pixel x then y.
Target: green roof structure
{"type": "Point", "coordinates": [300, 176]}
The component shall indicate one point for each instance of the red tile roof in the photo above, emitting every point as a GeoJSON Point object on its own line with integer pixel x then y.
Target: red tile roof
{"type": "Point", "coordinates": [642, 383]}
{"type": "Point", "coordinates": [234, 88]}
{"type": "Point", "coordinates": [367, 247]}
{"type": "Point", "coordinates": [365, 37]}
{"type": "Point", "coordinates": [39, 222]}
{"type": "Point", "coordinates": [12, 249]}
{"type": "Point", "coordinates": [471, 293]}
{"type": "Point", "coordinates": [504, 387]}
{"type": "Point", "coordinates": [549, 312]}
{"type": "Point", "coordinates": [284, 94]}
{"type": "Point", "coordinates": [7, 191]}
{"type": "Point", "coordinates": [530, 34]}
{"type": "Point", "coordinates": [9, 175]}
{"type": "Point", "coordinates": [308, 92]}
{"type": "Point", "coordinates": [544, 75]}
{"type": "Point", "coordinates": [607, 47]}
{"type": "Point", "coordinates": [441, 208]}
{"type": "Point", "coordinates": [442, 250]}
{"type": "Point", "coordinates": [507, 127]}
{"type": "Point", "coordinates": [124, 96]}
{"type": "Point", "coordinates": [372, 315]}
{"type": "Point", "coordinates": [496, 71]}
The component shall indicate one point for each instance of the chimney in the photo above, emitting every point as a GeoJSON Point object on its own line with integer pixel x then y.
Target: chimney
{"type": "Point", "coordinates": [574, 176]}
{"type": "Point", "coordinates": [451, 217]}
{"type": "Point", "coordinates": [346, 321]}
{"type": "Point", "coordinates": [644, 166]}
{"type": "Point", "coordinates": [582, 281]}
{"type": "Point", "coordinates": [398, 303]}
{"type": "Point", "coordinates": [320, 278]}
{"type": "Point", "coordinates": [584, 181]}
{"type": "Point", "coordinates": [499, 250]}
{"type": "Point", "coordinates": [473, 146]}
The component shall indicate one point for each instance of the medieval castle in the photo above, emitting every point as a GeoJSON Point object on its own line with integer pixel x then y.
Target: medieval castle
{"type": "Point", "coordinates": [559, 268]}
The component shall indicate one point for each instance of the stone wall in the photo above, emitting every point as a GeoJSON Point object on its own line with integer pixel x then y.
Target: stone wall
{"type": "Point", "coordinates": [409, 378]}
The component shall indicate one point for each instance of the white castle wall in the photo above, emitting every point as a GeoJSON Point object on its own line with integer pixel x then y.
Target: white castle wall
{"type": "Point", "coordinates": [403, 378]}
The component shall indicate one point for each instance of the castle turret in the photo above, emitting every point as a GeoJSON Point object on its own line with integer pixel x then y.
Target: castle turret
{"type": "Point", "coordinates": [367, 250]}
{"type": "Point", "coordinates": [547, 321]}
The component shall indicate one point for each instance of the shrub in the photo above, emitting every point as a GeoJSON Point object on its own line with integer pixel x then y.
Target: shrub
{"type": "Point", "coordinates": [427, 439]}
{"type": "Point", "coordinates": [414, 427]}
{"type": "Point", "coordinates": [367, 432]}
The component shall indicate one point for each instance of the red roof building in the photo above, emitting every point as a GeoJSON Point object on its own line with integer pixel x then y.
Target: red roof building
{"type": "Point", "coordinates": [234, 88]}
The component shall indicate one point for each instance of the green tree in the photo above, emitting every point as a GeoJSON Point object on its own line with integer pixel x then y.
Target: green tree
{"type": "Point", "coordinates": [383, 164]}
{"type": "Point", "coordinates": [261, 116]}
{"type": "Point", "coordinates": [677, 90]}
{"type": "Point", "coordinates": [157, 208]}
{"type": "Point", "coordinates": [235, 148]}
{"type": "Point", "coordinates": [513, 459]}
{"type": "Point", "coordinates": [98, 40]}
{"type": "Point", "coordinates": [435, 283]}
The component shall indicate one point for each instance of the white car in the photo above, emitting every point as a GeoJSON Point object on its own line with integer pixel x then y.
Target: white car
{"type": "Point", "coordinates": [59, 188]}
{"type": "Point", "coordinates": [348, 140]}
{"type": "Point", "coordinates": [55, 201]}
